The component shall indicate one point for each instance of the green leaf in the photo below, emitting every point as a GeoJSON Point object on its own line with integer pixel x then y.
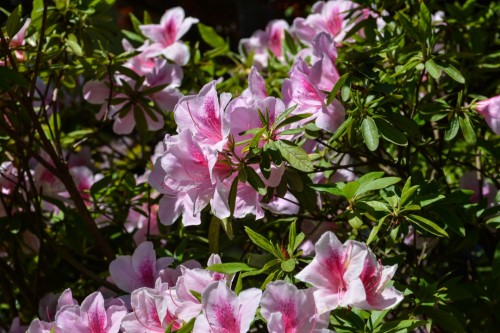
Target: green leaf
{"type": "Point", "coordinates": [444, 318]}
{"type": "Point", "coordinates": [377, 184]}
{"type": "Point", "coordinates": [342, 128]}
{"type": "Point", "coordinates": [327, 188]}
{"type": "Point", "coordinates": [338, 85]}
{"type": "Point", "coordinates": [454, 73]}
{"type": "Point", "coordinates": [262, 242]}
{"type": "Point", "coordinates": [375, 230]}
{"type": "Point", "coordinates": [355, 220]}
{"type": "Point", "coordinates": [295, 155]}
{"type": "Point", "coordinates": [255, 181]}
{"type": "Point", "coordinates": [452, 130]}
{"type": "Point", "coordinates": [345, 92]}
{"type": "Point", "coordinates": [232, 195]}
{"type": "Point", "coordinates": [407, 25]}
{"type": "Point", "coordinates": [390, 133]}
{"type": "Point", "coordinates": [213, 235]}
{"type": "Point", "coordinates": [210, 37]}
{"type": "Point", "coordinates": [187, 328]}
{"type": "Point", "coordinates": [288, 265]}
{"type": "Point", "coordinates": [10, 78]}
{"type": "Point", "coordinates": [350, 189]}
{"type": "Point", "coordinates": [292, 119]}
{"type": "Point", "coordinates": [292, 235]}
{"type": "Point", "coordinates": [427, 225]}
{"type": "Point", "coordinates": [467, 130]}
{"type": "Point", "coordinates": [290, 43]}
{"type": "Point", "coordinates": [399, 326]}
{"type": "Point", "coordinates": [407, 192]}
{"type": "Point", "coordinates": [370, 176]}
{"type": "Point", "coordinates": [73, 45]}
{"type": "Point", "coordinates": [14, 24]}
{"type": "Point", "coordinates": [285, 114]}
{"type": "Point", "coordinates": [425, 21]}
{"type": "Point", "coordinates": [230, 268]}
{"type": "Point", "coordinates": [370, 133]}
{"type": "Point", "coordinates": [433, 69]}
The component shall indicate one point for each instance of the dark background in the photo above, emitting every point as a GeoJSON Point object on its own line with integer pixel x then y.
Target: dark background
{"type": "Point", "coordinates": [234, 19]}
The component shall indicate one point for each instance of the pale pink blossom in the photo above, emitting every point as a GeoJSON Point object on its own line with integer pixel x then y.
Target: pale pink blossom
{"type": "Point", "coordinates": [290, 310]}
{"type": "Point", "coordinates": [333, 17]}
{"type": "Point", "coordinates": [482, 188]}
{"type": "Point", "coordinates": [375, 278]}
{"type": "Point", "coordinates": [165, 35]}
{"type": "Point", "coordinates": [139, 270]}
{"type": "Point", "coordinates": [153, 310]}
{"type": "Point", "coordinates": [261, 42]}
{"type": "Point", "coordinates": [224, 312]}
{"type": "Point", "coordinates": [335, 272]}
{"type": "Point", "coordinates": [193, 172]}
{"type": "Point", "coordinates": [166, 76]}
{"type": "Point", "coordinates": [196, 279]}
{"type": "Point", "coordinates": [302, 90]}
{"type": "Point", "coordinates": [490, 110]}
{"type": "Point", "coordinates": [91, 316]}
{"type": "Point", "coordinates": [204, 115]}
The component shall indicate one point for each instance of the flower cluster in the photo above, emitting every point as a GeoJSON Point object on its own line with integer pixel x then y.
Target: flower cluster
{"type": "Point", "coordinates": [340, 275]}
{"type": "Point", "coordinates": [126, 97]}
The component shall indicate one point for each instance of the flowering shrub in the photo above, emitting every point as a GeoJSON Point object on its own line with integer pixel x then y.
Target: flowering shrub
{"type": "Point", "coordinates": [336, 174]}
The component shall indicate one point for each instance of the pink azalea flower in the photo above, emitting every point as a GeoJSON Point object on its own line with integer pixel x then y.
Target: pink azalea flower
{"type": "Point", "coordinates": [17, 41]}
{"type": "Point", "coordinates": [290, 310]}
{"type": "Point", "coordinates": [196, 279]}
{"type": "Point", "coordinates": [302, 89]}
{"type": "Point", "coordinates": [193, 172]}
{"type": "Point", "coordinates": [256, 90]}
{"type": "Point", "coordinates": [262, 42]}
{"type": "Point", "coordinates": [91, 316]}
{"type": "Point", "coordinates": [487, 190]}
{"type": "Point", "coordinates": [139, 270]}
{"type": "Point", "coordinates": [50, 304]}
{"type": "Point", "coordinates": [204, 115]}
{"type": "Point", "coordinates": [331, 17]}
{"type": "Point", "coordinates": [173, 25]}
{"type": "Point", "coordinates": [40, 326]}
{"type": "Point", "coordinates": [161, 74]}
{"type": "Point", "coordinates": [224, 312]}
{"type": "Point", "coordinates": [153, 310]}
{"type": "Point", "coordinates": [375, 278]}
{"type": "Point", "coordinates": [490, 110]}
{"type": "Point", "coordinates": [335, 272]}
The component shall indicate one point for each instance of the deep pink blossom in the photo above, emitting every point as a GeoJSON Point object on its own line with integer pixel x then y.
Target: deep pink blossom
{"type": "Point", "coordinates": [91, 316]}
{"type": "Point", "coordinates": [490, 110]}
{"type": "Point", "coordinates": [139, 270]}
{"type": "Point", "coordinates": [335, 272]}
{"type": "Point", "coordinates": [290, 310]}
{"type": "Point", "coordinates": [224, 312]}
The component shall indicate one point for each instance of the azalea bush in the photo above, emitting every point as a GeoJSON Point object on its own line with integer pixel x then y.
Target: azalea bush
{"type": "Point", "coordinates": [336, 173]}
